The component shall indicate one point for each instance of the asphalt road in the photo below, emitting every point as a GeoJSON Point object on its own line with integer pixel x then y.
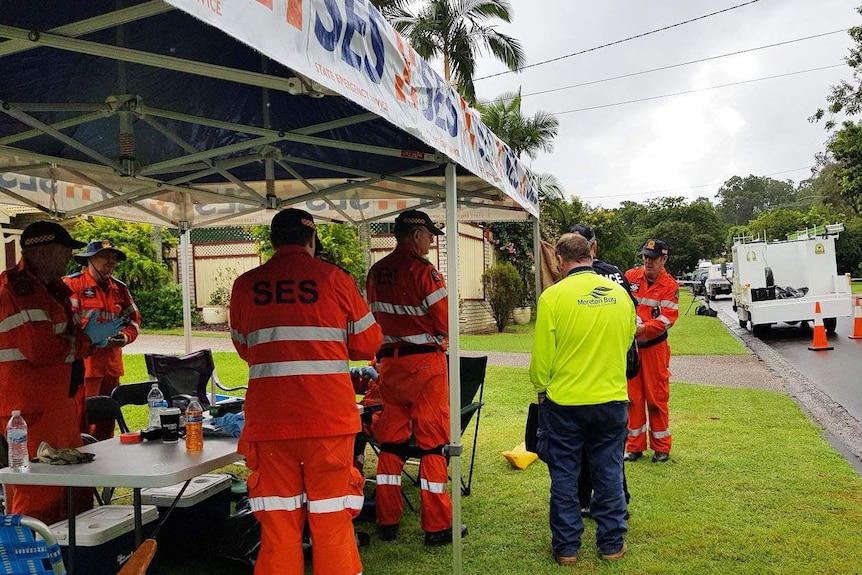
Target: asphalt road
{"type": "Point", "coordinates": [836, 372]}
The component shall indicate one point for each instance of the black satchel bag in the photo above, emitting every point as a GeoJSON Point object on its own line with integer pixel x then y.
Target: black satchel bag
{"type": "Point", "coordinates": [633, 362]}
{"type": "Point", "coordinates": [530, 435]}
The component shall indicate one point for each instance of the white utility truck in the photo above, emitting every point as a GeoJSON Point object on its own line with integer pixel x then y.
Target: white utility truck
{"type": "Point", "coordinates": [781, 281]}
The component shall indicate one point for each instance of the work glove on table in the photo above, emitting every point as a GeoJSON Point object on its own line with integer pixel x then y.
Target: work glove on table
{"type": "Point", "coordinates": [100, 332]}
{"type": "Point", "coordinates": [64, 456]}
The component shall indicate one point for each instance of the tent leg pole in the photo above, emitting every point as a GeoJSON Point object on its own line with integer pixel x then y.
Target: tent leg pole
{"type": "Point", "coordinates": [185, 274]}
{"type": "Point", "coordinates": [454, 361]}
{"type": "Point", "coordinates": [537, 256]}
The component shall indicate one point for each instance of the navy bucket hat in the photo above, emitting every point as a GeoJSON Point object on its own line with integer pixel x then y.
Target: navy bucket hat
{"type": "Point", "coordinates": [98, 246]}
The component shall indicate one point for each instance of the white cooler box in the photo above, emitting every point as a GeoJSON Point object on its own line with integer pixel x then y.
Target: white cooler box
{"type": "Point", "coordinates": [104, 537]}
{"type": "Point", "coordinates": [197, 521]}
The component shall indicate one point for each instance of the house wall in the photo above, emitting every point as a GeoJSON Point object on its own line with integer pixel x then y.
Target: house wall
{"type": "Point", "coordinates": [230, 258]}
{"type": "Point", "coordinates": [210, 259]}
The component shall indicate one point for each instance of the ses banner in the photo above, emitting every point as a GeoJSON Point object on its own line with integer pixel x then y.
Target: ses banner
{"type": "Point", "coordinates": [347, 46]}
{"type": "Point", "coordinates": [65, 196]}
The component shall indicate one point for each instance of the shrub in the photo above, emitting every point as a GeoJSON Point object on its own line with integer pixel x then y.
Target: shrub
{"type": "Point", "coordinates": [224, 284]}
{"type": "Point", "coordinates": [503, 289]}
{"type": "Point", "coordinates": [161, 308]}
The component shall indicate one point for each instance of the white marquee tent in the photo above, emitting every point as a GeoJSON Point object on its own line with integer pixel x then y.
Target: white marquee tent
{"type": "Point", "coordinates": [193, 113]}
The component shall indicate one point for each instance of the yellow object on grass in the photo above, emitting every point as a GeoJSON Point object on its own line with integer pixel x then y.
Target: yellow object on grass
{"type": "Point", "coordinates": [519, 457]}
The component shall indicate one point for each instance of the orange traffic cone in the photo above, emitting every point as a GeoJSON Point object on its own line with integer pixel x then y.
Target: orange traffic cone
{"type": "Point", "coordinates": [819, 343]}
{"type": "Point", "coordinates": [857, 320]}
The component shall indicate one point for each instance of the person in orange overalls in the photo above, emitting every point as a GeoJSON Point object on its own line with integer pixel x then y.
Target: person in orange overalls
{"type": "Point", "coordinates": [297, 320]}
{"type": "Point", "coordinates": [39, 341]}
{"type": "Point", "coordinates": [100, 296]}
{"type": "Point", "coordinates": [409, 299]}
{"type": "Point", "coordinates": [657, 294]}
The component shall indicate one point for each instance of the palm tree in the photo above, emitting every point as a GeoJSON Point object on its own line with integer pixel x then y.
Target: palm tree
{"type": "Point", "coordinates": [456, 31]}
{"type": "Point", "coordinates": [388, 7]}
{"type": "Point", "coordinates": [523, 134]}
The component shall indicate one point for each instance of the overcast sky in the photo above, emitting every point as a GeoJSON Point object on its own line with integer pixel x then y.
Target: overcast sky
{"type": "Point", "coordinates": [685, 145]}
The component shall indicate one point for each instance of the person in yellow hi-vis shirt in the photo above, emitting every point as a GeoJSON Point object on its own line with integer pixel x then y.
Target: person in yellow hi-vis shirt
{"type": "Point", "coordinates": [584, 326]}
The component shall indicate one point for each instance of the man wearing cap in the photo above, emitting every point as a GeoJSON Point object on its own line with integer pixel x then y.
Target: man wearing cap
{"type": "Point", "coordinates": [39, 341]}
{"type": "Point", "coordinates": [98, 296]}
{"type": "Point", "coordinates": [657, 294]}
{"type": "Point", "coordinates": [297, 321]}
{"type": "Point", "coordinates": [613, 273]}
{"type": "Point", "coordinates": [409, 300]}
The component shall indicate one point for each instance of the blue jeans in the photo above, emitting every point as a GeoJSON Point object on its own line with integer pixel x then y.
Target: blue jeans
{"type": "Point", "coordinates": [599, 430]}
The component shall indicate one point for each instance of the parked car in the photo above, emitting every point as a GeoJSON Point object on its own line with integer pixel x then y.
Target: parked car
{"type": "Point", "coordinates": [716, 282]}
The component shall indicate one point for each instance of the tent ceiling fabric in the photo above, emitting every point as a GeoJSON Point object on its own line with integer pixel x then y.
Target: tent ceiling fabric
{"type": "Point", "coordinates": [214, 113]}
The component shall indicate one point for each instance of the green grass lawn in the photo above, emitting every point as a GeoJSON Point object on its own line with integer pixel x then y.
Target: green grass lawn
{"type": "Point", "coordinates": [752, 487]}
{"type": "Point", "coordinates": [694, 334]}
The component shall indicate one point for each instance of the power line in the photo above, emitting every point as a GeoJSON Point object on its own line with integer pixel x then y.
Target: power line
{"type": "Point", "coordinates": [671, 190]}
{"type": "Point", "coordinates": [615, 42]}
{"type": "Point", "coordinates": [670, 66]}
{"type": "Point", "coordinates": [647, 99]}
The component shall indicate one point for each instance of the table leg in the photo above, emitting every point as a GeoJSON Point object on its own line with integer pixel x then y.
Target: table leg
{"type": "Point", "coordinates": [71, 522]}
{"type": "Point", "coordinates": [139, 523]}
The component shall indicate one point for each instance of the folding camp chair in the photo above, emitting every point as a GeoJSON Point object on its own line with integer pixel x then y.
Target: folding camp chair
{"type": "Point", "coordinates": [184, 376]}
{"type": "Point", "coordinates": [103, 408]}
{"type": "Point", "coordinates": [21, 552]}
{"type": "Point", "coordinates": [132, 394]}
{"type": "Point", "coordinates": [472, 382]}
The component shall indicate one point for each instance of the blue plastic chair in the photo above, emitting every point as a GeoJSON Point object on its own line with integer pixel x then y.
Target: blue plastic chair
{"type": "Point", "coordinates": [22, 554]}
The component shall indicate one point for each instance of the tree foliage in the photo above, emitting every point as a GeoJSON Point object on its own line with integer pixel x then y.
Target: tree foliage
{"type": "Point", "coordinates": [340, 242]}
{"type": "Point", "coordinates": [846, 147]}
{"type": "Point", "coordinates": [503, 287]}
{"type": "Point", "coordinates": [741, 199]}
{"type": "Point", "coordinates": [846, 97]}
{"type": "Point", "coordinates": [513, 242]}
{"type": "Point", "coordinates": [525, 135]}
{"type": "Point", "coordinates": [776, 224]}
{"type": "Point", "coordinates": [143, 269]}
{"type": "Point", "coordinates": [456, 32]}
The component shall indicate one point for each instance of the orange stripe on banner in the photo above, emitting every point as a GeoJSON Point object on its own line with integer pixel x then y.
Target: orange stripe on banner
{"type": "Point", "coordinates": [294, 13]}
{"type": "Point", "coordinates": [85, 194]}
{"type": "Point", "coordinates": [400, 204]}
{"type": "Point", "coordinates": [267, 3]}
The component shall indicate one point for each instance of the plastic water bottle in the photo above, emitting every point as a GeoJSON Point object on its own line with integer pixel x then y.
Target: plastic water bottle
{"type": "Point", "coordinates": [154, 400]}
{"type": "Point", "coordinates": [194, 426]}
{"type": "Point", "coordinates": [16, 434]}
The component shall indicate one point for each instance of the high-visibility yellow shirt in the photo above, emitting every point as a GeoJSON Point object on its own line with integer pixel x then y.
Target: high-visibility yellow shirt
{"type": "Point", "coordinates": [585, 324]}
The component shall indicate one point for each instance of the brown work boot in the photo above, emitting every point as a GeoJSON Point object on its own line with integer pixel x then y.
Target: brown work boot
{"type": "Point", "coordinates": [566, 561]}
{"type": "Point", "coordinates": [614, 556]}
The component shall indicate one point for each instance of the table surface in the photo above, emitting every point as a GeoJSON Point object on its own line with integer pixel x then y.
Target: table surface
{"type": "Point", "coordinates": [134, 465]}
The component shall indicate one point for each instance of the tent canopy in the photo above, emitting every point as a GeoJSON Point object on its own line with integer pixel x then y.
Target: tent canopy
{"type": "Point", "coordinates": [211, 112]}
{"type": "Point", "coordinates": [144, 112]}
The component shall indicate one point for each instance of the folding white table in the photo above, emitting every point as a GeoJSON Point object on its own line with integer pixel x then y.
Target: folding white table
{"type": "Point", "coordinates": [133, 465]}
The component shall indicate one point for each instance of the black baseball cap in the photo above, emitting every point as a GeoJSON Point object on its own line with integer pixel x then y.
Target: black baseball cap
{"type": "Point", "coordinates": [654, 249]}
{"type": "Point", "coordinates": [98, 246]}
{"type": "Point", "coordinates": [44, 232]}
{"type": "Point", "coordinates": [584, 230]}
{"type": "Point", "coordinates": [417, 218]}
{"type": "Point", "coordinates": [293, 218]}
